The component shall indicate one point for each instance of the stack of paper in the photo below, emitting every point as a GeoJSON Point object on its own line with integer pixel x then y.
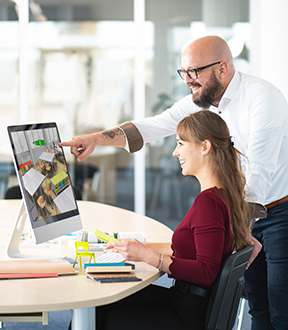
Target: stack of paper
{"type": "Point", "coordinates": [111, 272]}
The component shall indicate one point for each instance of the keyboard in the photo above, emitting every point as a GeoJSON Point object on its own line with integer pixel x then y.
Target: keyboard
{"type": "Point", "coordinates": [109, 257]}
{"type": "Point", "coordinates": [97, 246]}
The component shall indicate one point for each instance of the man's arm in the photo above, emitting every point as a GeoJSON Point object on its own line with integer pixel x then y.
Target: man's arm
{"type": "Point", "coordinates": [133, 135]}
{"type": "Point", "coordinates": [82, 146]}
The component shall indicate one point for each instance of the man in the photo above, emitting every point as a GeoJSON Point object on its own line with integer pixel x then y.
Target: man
{"type": "Point", "coordinates": [257, 116]}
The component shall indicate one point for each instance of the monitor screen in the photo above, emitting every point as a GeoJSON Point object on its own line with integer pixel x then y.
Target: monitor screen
{"type": "Point", "coordinates": [44, 180]}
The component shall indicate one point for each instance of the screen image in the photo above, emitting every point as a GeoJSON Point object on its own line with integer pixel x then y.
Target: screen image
{"type": "Point", "coordinates": [43, 176]}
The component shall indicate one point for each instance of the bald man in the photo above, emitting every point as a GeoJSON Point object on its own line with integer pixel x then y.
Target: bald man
{"type": "Point", "coordinates": [257, 116]}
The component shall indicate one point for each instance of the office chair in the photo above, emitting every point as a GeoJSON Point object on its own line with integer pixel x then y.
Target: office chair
{"type": "Point", "coordinates": [78, 193]}
{"type": "Point", "coordinates": [228, 288]}
{"type": "Point", "coordinates": [227, 291]}
{"type": "Point", "coordinates": [257, 211]}
{"type": "Point", "coordinates": [13, 193]}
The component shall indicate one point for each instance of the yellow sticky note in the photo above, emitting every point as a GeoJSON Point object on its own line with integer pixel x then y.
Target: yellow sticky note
{"type": "Point", "coordinates": [104, 237]}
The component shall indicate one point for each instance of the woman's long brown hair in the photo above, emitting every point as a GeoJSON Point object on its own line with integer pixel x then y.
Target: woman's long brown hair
{"type": "Point", "coordinates": [206, 125]}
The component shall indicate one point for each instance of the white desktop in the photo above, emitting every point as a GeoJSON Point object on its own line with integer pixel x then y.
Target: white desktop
{"type": "Point", "coordinates": [49, 202]}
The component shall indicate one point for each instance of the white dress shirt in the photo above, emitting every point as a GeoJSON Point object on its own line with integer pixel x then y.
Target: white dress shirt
{"type": "Point", "coordinates": [256, 113]}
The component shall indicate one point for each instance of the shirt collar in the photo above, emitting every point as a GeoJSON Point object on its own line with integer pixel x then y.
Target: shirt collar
{"type": "Point", "coordinates": [233, 87]}
{"type": "Point", "coordinates": [230, 92]}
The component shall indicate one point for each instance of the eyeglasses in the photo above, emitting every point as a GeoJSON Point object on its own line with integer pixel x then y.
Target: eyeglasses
{"type": "Point", "coordinates": [193, 73]}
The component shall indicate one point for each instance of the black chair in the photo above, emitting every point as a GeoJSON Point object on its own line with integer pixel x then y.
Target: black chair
{"type": "Point", "coordinates": [83, 172]}
{"type": "Point", "coordinates": [13, 193]}
{"type": "Point", "coordinates": [229, 287]}
{"type": "Point", "coordinates": [257, 211]}
{"type": "Point", "coordinates": [227, 291]}
{"type": "Point", "coordinates": [78, 193]}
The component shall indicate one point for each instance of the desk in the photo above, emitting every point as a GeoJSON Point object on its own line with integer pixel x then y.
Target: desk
{"type": "Point", "coordinates": [65, 200]}
{"type": "Point", "coordinates": [77, 292]}
{"type": "Point", "coordinates": [47, 156]}
{"type": "Point", "coordinates": [32, 181]}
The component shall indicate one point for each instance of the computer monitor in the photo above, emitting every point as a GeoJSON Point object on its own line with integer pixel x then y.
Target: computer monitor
{"type": "Point", "coordinates": [48, 195]}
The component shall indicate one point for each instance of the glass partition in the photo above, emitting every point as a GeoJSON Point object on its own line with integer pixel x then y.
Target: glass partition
{"type": "Point", "coordinates": [81, 75]}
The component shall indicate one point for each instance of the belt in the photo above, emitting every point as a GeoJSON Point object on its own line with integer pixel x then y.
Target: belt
{"type": "Point", "coordinates": [279, 201]}
{"type": "Point", "coordinates": [192, 288]}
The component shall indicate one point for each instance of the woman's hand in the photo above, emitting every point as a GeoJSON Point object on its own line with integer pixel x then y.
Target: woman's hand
{"type": "Point", "coordinates": [133, 250]}
{"type": "Point", "coordinates": [257, 246]}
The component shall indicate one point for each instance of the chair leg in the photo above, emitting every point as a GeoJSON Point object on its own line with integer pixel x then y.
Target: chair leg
{"type": "Point", "coordinates": [155, 193]}
{"type": "Point", "coordinates": [75, 260]}
{"type": "Point", "coordinates": [92, 255]}
{"type": "Point", "coordinates": [240, 314]}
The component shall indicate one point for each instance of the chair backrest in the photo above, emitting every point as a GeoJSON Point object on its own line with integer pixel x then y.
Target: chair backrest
{"type": "Point", "coordinates": [81, 247]}
{"type": "Point", "coordinates": [226, 291]}
{"type": "Point", "coordinates": [78, 193]}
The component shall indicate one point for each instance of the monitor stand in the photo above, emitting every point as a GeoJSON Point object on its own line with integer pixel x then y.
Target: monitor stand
{"type": "Point", "coordinates": [12, 249]}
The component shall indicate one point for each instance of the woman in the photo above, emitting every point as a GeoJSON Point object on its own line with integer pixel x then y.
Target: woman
{"type": "Point", "coordinates": [215, 224]}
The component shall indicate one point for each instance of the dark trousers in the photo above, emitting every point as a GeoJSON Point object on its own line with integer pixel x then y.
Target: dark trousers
{"type": "Point", "coordinates": [154, 308]}
{"type": "Point", "coordinates": [266, 280]}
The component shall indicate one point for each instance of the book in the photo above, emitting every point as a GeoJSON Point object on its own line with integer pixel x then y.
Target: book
{"type": "Point", "coordinates": [108, 277]}
{"type": "Point", "coordinates": [52, 266]}
{"type": "Point", "coordinates": [109, 280]}
{"type": "Point", "coordinates": [97, 264]}
{"type": "Point", "coordinates": [108, 269]}
{"type": "Point", "coordinates": [121, 267]}
{"type": "Point", "coordinates": [15, 276]}
{"type": "Point", "coordinates": [107, 273]}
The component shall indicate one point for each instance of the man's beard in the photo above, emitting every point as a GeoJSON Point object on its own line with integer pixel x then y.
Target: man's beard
{"type": "Point", "coordinates": [208, 95]}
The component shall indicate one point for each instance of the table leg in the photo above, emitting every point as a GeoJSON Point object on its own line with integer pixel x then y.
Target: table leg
{"type": "Point", "coordinates": [83, 318]}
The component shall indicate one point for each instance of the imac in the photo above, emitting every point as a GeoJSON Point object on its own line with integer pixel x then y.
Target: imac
{"type": "Point", "coordinates": [48, 197]}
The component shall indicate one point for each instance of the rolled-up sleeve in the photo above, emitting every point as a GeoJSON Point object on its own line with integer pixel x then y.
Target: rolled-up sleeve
{"type": "Point", "coordinates": [141, 131]}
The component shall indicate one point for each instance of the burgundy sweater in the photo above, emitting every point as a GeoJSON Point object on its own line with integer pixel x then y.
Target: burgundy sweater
{"type": "Point", "coordinates": [203, 239]}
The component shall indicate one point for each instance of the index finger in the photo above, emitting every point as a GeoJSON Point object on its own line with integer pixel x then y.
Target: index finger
{"type": "Point", "coordinates": [75, 149]}
{"type": "Point", "coordinates": [67, 143]}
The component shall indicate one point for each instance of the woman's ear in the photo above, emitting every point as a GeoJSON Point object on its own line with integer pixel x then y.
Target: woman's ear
{"type": "Point", "coordinates": [206, 147]}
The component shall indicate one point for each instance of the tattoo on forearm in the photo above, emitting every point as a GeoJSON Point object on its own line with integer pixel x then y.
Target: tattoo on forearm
{"type": "Point", "coordinates": [113, 132]}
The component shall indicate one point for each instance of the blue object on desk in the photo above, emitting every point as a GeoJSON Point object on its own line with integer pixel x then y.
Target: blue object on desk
{"type": "Point", "coordinates": [113, 280]}
{"type": "Point", "coordinates": [72, 261]}
{"type": "Point", "coordinates": [87, 264]}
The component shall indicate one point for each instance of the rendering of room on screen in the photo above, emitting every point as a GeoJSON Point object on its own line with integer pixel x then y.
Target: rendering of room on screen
{"type": "Point", "coordinates": [48, 197]}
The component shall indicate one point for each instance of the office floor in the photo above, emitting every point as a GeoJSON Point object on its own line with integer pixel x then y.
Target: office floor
{"type": "Point", "coordinates": [169, 207]}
